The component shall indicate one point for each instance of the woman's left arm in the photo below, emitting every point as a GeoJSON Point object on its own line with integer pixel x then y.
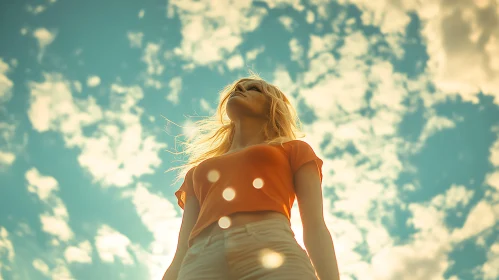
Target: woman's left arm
{"type": "Point", "coordinates": [316, 236]}
{"type": "Point", "coordinates": [320, 248]}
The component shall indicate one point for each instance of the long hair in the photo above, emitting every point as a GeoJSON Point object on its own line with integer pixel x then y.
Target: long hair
{"type": "Point", "coordinates": [213, 136]}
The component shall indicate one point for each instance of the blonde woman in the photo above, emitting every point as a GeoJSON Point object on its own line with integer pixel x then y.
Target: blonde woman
{"type": "Point", "coordinates": [245, 169]}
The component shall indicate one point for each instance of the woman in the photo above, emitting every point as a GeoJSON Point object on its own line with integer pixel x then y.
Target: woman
{"type": "Point", "coordinates": [244, 171]}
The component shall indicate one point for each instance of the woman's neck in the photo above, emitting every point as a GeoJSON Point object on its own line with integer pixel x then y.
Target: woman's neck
{"type": "Point", "coordinates": [248, 133]}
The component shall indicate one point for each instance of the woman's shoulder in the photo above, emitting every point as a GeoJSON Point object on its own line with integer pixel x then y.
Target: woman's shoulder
{"type": "Point", "coordinates": [298, 146]}
{"type": "Point", "coordinates": [292, 145]}
{"type": "Point", "coordinates": [295, 142]}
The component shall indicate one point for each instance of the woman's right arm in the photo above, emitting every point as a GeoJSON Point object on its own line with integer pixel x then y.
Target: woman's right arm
{"type": "Point", "coordinates": [189, 218]}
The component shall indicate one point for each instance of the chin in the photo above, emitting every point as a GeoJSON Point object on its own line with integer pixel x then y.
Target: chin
{"type": "Point", "coordinates": [234, 101]}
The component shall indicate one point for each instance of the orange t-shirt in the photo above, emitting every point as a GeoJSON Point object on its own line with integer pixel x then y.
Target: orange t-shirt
{"type": "Point", "coordinates": [260, 177]}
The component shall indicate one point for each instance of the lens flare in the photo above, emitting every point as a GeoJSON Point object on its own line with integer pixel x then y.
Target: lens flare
{"type": "Point", "coordinates": [258, 183]}
{"type": "Point", "coordinates": [224, 222]}
{"type": "Point", "coordinates": [271, 259]}
{"type": "Point", "coordinates": [229, 194]}
{"type": "Point", "coordinates": [213, 175]}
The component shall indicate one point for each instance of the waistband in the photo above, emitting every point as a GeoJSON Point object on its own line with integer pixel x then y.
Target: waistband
{"type": "Point", "coordinates": [271, 223]}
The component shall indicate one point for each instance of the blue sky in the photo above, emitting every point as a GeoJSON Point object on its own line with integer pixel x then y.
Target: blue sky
{"type": "Point", "coordinates": [400, 99]}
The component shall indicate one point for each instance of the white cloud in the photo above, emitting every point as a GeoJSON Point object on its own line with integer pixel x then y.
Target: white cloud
{"type": "Point", "coordinates": [454, 196]}
{"type": "Point", "coordinates": [480, 218]}
{"type": "Point", "coordinates": [115, 157]}
{"type": "Point", "coordinates": [494, 149]}
{"type": "Point", "coordinates": [118, 150]}
{"type": "Point", "coordinates": [35, 9]}
{"type": "Point", "coordinates": [57, 226]}
{"type": "Point", "coordinates": [320, 44]}
{"type": "Point", "coordinates": [82, 253]}
{"type": "Point", "coordinates": [323, 62]}
{"type": "Point", "coordinates": [283, 81]}
{"type": "Point", "coordinates": [492, 179]}
{"type": "Point", "coordinates": [153, 82]}
{"type": "Point", "coordinates": [333, 89]}
{"type": "Point", "coordinates": [44, 38]}
{"type": "Point", "coordinates": [282, 4]}
{"type": "Point", "coordinates": [38, 9]}
{"type": "Point", "coordinates": [160, 218]}
{"type": "Point", "coordinates": [212, 30]}
{"type": "Point", "coordinates": [23, 31]}
{"type": "Point", "coordinates": [359, 188]}
{"type": "Point", "coordinates": [205, 105]}
{"type": "Point", "coordinates": [188, 128]}
{"type": "Point", "coordinates": [10, 144]}
{"type": "Point", "coordinates": [141, 13]}
{"type": "Point", "coordinates": [462, 47]}
{"type": "Point", "coordinates": [296, 50]}
{"type": "Point", "coordinates": [287, 22]}
{"type": "Point", "coordinates": [435, 124]}
{"type": "Point", "coordinates": [150, 57]}
{"type": "Point", "coordinates": [77, 86]}
{"type": "Point", "coordinates": [7, 252]}
{"type": "Point", "coordinates": [53, 108]}
{"type": "Point", "coordinates": [252, 54]}
{"type": "Point", "coordinates": [55, 219]}
{"type": "Point", "coordinates": [407, 262]}
{"type": "Point", "coordinates": [61, 271]}
{"type": "Point", "coordinates": [235, 62]}
{"type": "Point", "coordinates": [111, 244]}
{"type": "Point", "coordinates": [355, 46]}
{"type": "Point", "coordinates": [93, 81]}
{"type": "Point", "coordinates": [489, 268]}
{"type": "Point", "coordinates": [6, 158]}
{"type": "Point", "coordinates": [5, 83]}
{"type": "Point", "coordinates": [432, 237]}
{"type": "Point", "coordinates": [135, 39]}
{"type": "Point", "coordinates": [390, 16]}
{"type": "Point", "coordinates": [41, 266]}
{"type": "Point", "coordinates": [462, 44]}
{"type": "Point", "coordinates": [154, 66]}
{"type": "Point", "coordinates": [14, 62]}
{"type": "Point", "coordinates": [390, 90]}
{"type": "Point", "coordinates": [428, 220]}
{"type": "Point", "coordinates": [366, 181]}
{"type": "Point", "coordinates": [175, 85]}
{"type": "Point", "coordinates": [310, 17]}
{"type": "Point", "coordinates": [319, 66]}
{"type": "Point", "coordinates": [43, 186]}
{"type": "Point", "coordinates": [323, 9]}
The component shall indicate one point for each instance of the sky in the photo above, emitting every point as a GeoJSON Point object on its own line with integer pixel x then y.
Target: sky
{"type": "Point", "coordinates": [399, 98]}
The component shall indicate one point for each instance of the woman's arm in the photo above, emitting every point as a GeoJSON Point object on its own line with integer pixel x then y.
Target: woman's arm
{"type": "Point", "coordinates": [320, 248]}
{"type": "Point", "coordinates": [316, 236]}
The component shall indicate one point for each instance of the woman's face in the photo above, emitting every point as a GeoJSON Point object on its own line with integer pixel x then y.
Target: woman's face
{"type": "Point", "coordinates": [248, 100]}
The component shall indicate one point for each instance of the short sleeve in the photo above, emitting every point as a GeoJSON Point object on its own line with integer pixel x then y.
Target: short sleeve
{"type": "Point", "coordinates": [186, 189]}
{"type": "Point", "coordinates": [302, 153]}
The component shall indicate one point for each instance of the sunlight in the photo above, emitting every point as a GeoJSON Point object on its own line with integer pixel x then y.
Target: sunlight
{"type": "Point", "coordinates": [258, 183]}
{"type": "Point", "coordinates": [224, 222]}
{"type": "Point", "coordinates": [229, 194]}
{"type": "Point", "coordinates": [213, 175]}
{"type": "Point", "coordinates": [271, 259]}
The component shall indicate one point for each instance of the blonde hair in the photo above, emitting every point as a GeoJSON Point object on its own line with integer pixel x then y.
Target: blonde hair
{"type": "Point", "coordinates": [213, 136]}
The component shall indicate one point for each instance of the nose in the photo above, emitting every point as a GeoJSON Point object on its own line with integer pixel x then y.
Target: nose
{"type": "Point", "coordinates": [239, 87]}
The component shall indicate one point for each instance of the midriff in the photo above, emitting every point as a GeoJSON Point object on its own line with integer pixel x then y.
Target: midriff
{"type": "Point", "coordinates": [242, 218]}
